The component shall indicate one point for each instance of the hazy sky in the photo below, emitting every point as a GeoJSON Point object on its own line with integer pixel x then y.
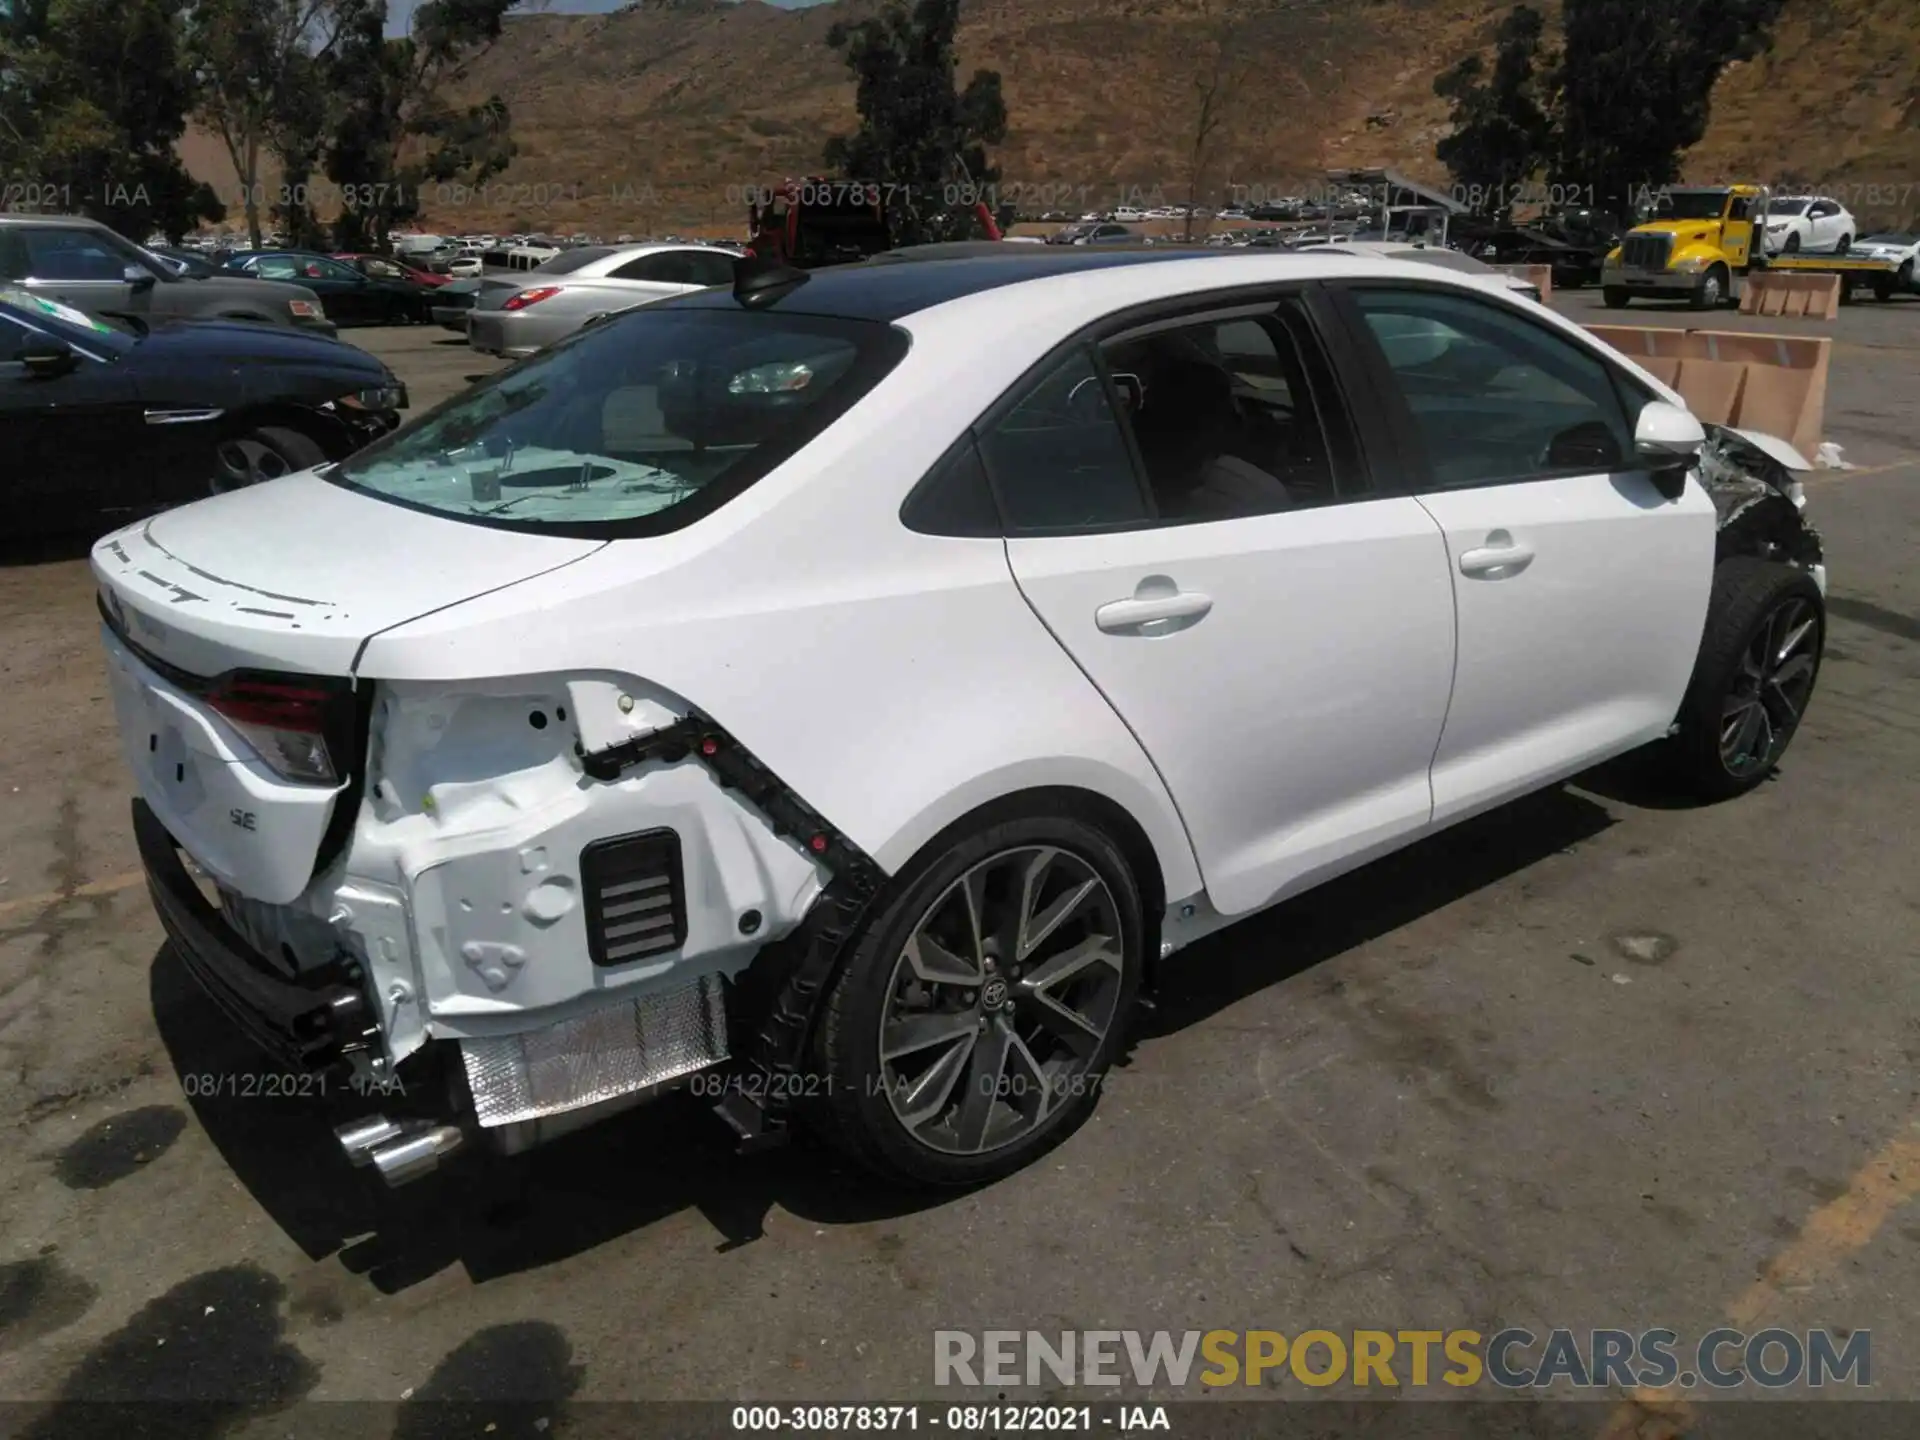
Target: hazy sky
{"type": "Point", "coordinates": [399, 10]}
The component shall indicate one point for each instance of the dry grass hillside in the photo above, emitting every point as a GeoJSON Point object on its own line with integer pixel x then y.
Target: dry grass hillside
{"type": "Point", "coordinates": [660, 116]}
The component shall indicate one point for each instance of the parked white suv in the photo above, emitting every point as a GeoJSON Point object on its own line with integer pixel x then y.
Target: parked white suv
{"type": "Point", "coordinates": [853, 689]}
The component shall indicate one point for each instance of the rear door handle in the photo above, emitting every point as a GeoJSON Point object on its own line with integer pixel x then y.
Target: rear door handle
{"type": "Point", "coordinates": [1499, 559]}
{"type": "Point", "coordinates": [1131, 614]}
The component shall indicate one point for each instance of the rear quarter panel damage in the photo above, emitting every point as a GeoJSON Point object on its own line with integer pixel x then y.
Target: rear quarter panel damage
{"type": "Point", "coordinates": [477, 810]}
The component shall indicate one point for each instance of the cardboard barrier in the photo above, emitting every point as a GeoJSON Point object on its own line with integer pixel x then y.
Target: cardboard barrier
{"type": "Point", "coordinates": [1772, 383]}
{"type": "Point", "coordinates": [1780, 292]}
{"type": "Point", "coordinates": [1538, 276]}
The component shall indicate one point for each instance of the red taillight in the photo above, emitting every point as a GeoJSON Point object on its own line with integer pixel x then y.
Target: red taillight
{"type": "Point", "coordinates": [284, 721]}
{"type": "Point", "coordinates": [531, 297]}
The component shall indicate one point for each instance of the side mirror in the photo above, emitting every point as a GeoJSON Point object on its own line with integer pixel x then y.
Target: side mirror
{"type": "Point", "coordinates": [1667, 441]}
{"type": "Point", "coordinates": [138, 276]}
{"type": "Point", "coordinates": [1667, 436]}
{"type": "Point", "coordinates": [49, 359]}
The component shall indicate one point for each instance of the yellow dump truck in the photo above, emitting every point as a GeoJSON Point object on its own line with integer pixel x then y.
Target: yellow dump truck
{"type": "Point", "coordinates": [1701, 245]}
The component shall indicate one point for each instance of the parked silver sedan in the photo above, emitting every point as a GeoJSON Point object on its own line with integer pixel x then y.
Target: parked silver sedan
{"type": "Point", "coordinates": [518, 313]}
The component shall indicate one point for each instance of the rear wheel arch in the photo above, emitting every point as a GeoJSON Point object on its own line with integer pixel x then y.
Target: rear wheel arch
{"type": "Point", "coordinates": [1101, 811]}
{"type": "Point", "coordinates": [1155, 845]}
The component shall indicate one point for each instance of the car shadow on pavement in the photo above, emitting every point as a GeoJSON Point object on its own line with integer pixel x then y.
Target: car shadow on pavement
{"type": "Point", "coordinates": [1636, 779]}
{"type": "Point", "coordinates": [1368, 903]}
{"type": "Point", "coordinates": [498, 1216]}
{"type": "Point", "coordinates": [492, 1216]}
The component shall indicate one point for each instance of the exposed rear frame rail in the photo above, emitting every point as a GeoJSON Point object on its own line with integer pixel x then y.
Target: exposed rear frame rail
{"type": "Point", "coordinates": [780, 992]}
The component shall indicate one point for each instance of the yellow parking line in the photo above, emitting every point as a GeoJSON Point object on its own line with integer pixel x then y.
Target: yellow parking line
{"type": "Point", "coordinates": [1839, 1229]}
{"type": "Point", "coordinates": [110, 886]}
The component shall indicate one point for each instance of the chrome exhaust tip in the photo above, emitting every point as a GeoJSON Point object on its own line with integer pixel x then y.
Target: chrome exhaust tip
{"type": "Point", "coordinates": [359, 1138]}
{"type": "Point", "coordinates": [415, 1153]}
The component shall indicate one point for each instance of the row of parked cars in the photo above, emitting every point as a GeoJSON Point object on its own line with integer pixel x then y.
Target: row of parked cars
{"type": "Point", "coordinates": [117, 407]}
{"type": "Point", "coordinates": [128, 382]}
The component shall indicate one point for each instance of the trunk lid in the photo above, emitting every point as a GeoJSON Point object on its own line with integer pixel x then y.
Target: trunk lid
{"type": "Point", "coordinates": [291, 577]}
{"type": "Point", "coordinates": [496, 289]}
{"type": "Point", "coordinates": [298, 573]}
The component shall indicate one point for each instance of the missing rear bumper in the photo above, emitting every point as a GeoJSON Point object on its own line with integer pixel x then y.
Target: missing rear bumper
{"type": "Point", "coordinates": [317, 1023]}
{"type": "Point", "coordinates": [624, 1048]}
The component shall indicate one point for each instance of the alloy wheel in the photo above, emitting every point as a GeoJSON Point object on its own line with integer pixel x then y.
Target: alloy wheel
{"type": "Point", "coordinates": [1001, 1000]}
{"type": "Point", "coordinates": [247, 462]}
{"type": "Point", "coordinates": [1770, 689]}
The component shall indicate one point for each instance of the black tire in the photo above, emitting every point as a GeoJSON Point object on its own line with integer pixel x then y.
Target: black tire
{"type": "Point", "coordinates": [857, 1110]}
{"type": "Point", "coordinates": [268, 451]}
{"type": "Point", "coordinates": [1904, 278]}
{"type": "Point", "coordinates": [1712, 291]}
{"type": "Point", "coordinates": [1846, 244]}
{"type": "Point", "coordinates": [1751, 600]}
{"type": "Point", "coordinates": [1615, 297]}
{"type": "Point", "coordinates": [1792, 247]}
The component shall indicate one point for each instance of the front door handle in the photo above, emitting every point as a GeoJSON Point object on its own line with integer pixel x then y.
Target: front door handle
{"type": "Point", "coordinates": [1132, 614]}
{"type": "Point", "coordinates": [1499, 559]}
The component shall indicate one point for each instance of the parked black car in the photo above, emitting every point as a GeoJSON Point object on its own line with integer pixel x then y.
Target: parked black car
{"type": "Point", "coordinates": [84, 264]}
{"type": "Point", "coordinates": [352, 296]}
{"type": "Point", "coordinates": [453, 301]}
{"type": "Point", "coordinates": [100, 422]}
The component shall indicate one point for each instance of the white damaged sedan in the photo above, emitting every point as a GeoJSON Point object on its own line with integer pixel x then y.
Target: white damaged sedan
{"type": "Point", "coordinates": [841, 693]}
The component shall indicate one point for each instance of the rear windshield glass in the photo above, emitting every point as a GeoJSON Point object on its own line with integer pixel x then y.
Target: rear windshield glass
{"type": "Point", "coordinates": [635, 426]}
{"type": "Point", "coordinates": [569, 260]}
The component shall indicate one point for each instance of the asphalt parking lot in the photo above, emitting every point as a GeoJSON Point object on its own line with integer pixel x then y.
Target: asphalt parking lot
{"type": "Point", "coordinates": [1589, 1061]}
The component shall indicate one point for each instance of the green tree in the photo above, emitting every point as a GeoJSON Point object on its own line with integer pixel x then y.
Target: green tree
{"type": "Point", "coordinates": [1502, 131]}
{"type": "Point", "coordinates": [921, 139]}
{"type": "Point", "coordinates": [393, 133]}
{"type": "Point", "coordinates": [94, 95]}
{"type": "Point", "coordinates": [1220, 74]}
{"type": "Point", "coordinates": [257, 68]}
{"type": "Point", "coordinates": [1634, 87]}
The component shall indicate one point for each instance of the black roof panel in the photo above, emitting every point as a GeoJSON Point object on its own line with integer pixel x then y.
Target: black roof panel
{"type": "Point", "coordinates": [898, 283]}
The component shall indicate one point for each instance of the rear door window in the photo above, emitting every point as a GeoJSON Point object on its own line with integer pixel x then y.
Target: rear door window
{"type": "Point", "coordinates": [1224, 417]}
{"type": "Point", "coordinates": [708, 268]}
{"type": "Point", "coordinates": [1058, 457]}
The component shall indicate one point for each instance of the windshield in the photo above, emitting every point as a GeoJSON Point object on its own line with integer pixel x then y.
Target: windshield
{"type": "Point", "coordinates": [1788, 207]}
{"type": "Point", "coordinates": [1691, 205]}
{"type": "Point", "coordinates": [1890, 237]}
{"type": "Point", "coordinates": [63, 322]}
{"type": "Point", "coordinates": [634, 426]}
